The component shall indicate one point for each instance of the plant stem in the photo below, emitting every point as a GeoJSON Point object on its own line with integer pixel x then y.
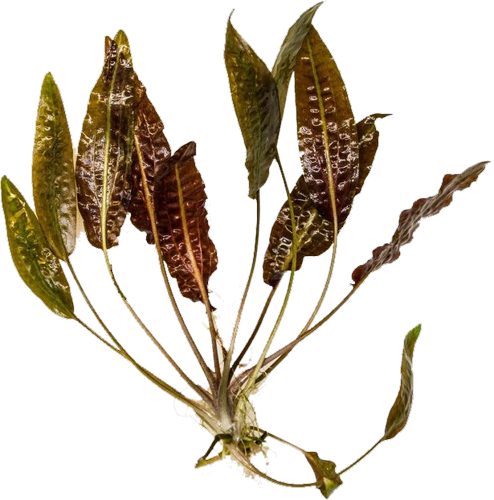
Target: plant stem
{"type": "Point", "coordinates": [268, 434]}
{"type": "Point", "coordinates": [282, 353]}
{"type": "Point", "coordinates": [199, 390]}
{"type": "Point", "coordinates": [361, 458]}
{"type": "Point", "coordinates": [257, 368]}
{"type": "Point", "coordinates": [154, 228]}
{"type": "Point", "coordinates": [205, 298]}
{"type": "Point", "coordinates": [149, 375]}
{"type": "Point", "coordinates": [254, 333]}
{"type": "Point", "coordinates": [240, 457]}
{"type": "Point", "coordinates": [227, 373]}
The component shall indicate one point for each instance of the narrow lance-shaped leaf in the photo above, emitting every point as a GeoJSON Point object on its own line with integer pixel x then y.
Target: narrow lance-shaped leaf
{"type": "Point", "coordinates": [54, 186]}
{"type": "Point", "coordinates": [287, 56]}
{"type": "Point", "coordinates": [327, 132]}
{"type": "Point", "coordinates": [314, 232]}
{"type": "Point", "coordinates": [400, 411]}
{"type": "Point", "coordinates": [105, 150]}
{"type": "Point", "coordinates": [151, 151]}
{"type": "Point", "coordinates": [37, 265]}
{"type": "Point", "coordinates": [410, 220]}
{"type": "Point", "coordinates": [327, 480]}
{"type": "Point", "coordinates": [179, 200]}
{"type": "Point", "coordinates": [256, 103]}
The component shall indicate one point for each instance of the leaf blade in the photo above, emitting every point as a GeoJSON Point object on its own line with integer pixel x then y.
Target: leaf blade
{"type": "Point", "coordinates": [154, 151]}
{"type": "Point", "coordinates": [255, 99]}
{"type": "Point", "coordinates": [54, 187]}
{"type": "Point", "coordinates": [410, 220]}
{"type": "Point", "coordinates": [327, 132]}
{"type": "Point", "coordinates": [314, 232]}
{"type": "Point", "coordinates": [314, 235]}
{"type": "Point", "coordinates": [327, 480]}
{"type": "Point", "coordinates": [38, 267]}
{"type": "Point", "coordinates": [400, 411]}
{"type": "Point", "coordinates": [287, 56]}
{"type": "Point", "coordinates": [105, 150]}
{"type": "Point", "coordinates": [181, 217]}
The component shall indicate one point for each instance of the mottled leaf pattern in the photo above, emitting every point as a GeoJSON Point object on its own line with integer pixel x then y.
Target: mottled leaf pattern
{"type": "Point", "coordinates": [153, 149]}
{"type": "Point", "coordinates": [37, 265]}
{"type": "Point", "coordinates": [327, 480]}
{"type": "Point", "coordinates": [255, 98]}
{"type": "Point", "coordinates": [368, 142]}
{"type": "Point", "coordinates": [400, 411]}
{"type": "Point", "coordinates": [327, 132]}
{"type": "Point", "coordinates": [410, 220]}
{"type": "Point", "coordinates": [179, 190]}
{"type": "Point", "coordinates": [314, 232]}
{"type": "Point", "coordinates": [314, 235]}
{"type": "Point", "coordinates": [287, 56]}
{"type": "Point", "coordinates": [54, 188]}
{"type": "Point", "coordinates": [105, 150]}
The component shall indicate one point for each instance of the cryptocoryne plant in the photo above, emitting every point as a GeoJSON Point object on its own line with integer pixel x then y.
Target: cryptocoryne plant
{"type": "Point", "coordinates": [125, 165]}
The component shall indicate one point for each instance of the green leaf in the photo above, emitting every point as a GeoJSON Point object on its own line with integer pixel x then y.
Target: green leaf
{"type": "Point", "coordinates": [410, 220]}
{"type": "Point", "coordinates": [181, 218]}
{"type": "Point", "coordinates": [287, 56]}
{"type": "Point", "coordinates": [37, 265]}
{"type": "Point", "coordinates": [54, 187]}
{"type": "Point", "coordinates": [327, 132]}
{"type": "Point", "coordinates": [105, 150]}
{"type": "Point", "coordinates": [327, 480]}
{"type": "Point", "coordinates": [400, 411]}
{"type": "Point", "coordinates": [368, 137]}
{"type": "Point", "coordinates": [256, 103]}
{"type": "Point", "coordinates": [314, 232]}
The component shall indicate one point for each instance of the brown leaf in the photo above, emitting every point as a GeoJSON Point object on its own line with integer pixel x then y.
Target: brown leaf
{"type": "Point", "coordinates": [368, 137]}
{"type": "Point", "coordinates": [179, 199]}
{"type": "Point", "coordinates": [152, 148]}
{"type": "Point", "coordinates": [314, 232]}
{"type": "Point", "coordinates": [314, 235]}
{"type": "Point", "coordinates": [105, 150]}
{"type": "Point", "coordinates": [326, 129]}
{"type": "Point", "coordinates": [410, 220]}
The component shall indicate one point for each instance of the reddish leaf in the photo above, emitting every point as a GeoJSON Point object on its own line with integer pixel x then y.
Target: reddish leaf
{"type": "Point", "coordinates": [410, 219]}
{"type": "Point", "coordinates": [326, 129]}
{"type": "Point", "coordinates": [179, 200]}
{"type": "Point", "coordinates": [152, 148]}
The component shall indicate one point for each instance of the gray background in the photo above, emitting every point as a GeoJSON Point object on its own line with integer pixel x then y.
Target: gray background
{"type": "Point", "coordinates": [77, 422]}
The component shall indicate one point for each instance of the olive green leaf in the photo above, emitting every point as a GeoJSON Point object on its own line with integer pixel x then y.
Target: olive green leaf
{"type": "Point", "coordinates": [54, 188]}
{"type": "Point", "coordinates": [327, 480]}
{"type": "Point", "coordinates": [255, 99]}
{"type": "Point", "coordinates": [287, 56]}
{"type": "Point", "coordinates": [36, 264]}
{"type": "Point", "coordinates": [181, 219]}
{"type": "Point", "coordinates": [105, 150]}
{"type": "Point", "coordinates": [368, 137]}
{"type": "Point", "coordinates": [400, 411]}
{"type": "Point", "coordinates": [327, 133]}
{"type": "Point", "coordinates": [410, 220]}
